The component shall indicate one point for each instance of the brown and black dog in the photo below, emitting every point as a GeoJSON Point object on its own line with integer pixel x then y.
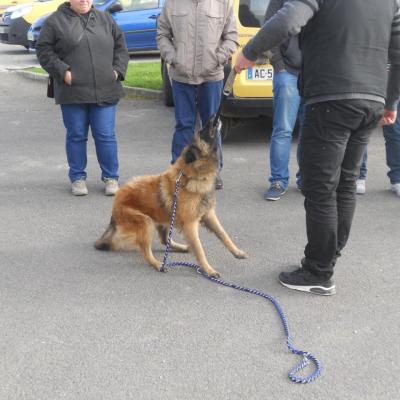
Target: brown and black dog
{"type": "Point", "coordinates": [145, 202]}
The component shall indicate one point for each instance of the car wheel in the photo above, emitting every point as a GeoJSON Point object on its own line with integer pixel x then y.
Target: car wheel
{"type": "Point", "coordinates": [166, 87]}
{"type": "Point", "coordinates": [226, 127]}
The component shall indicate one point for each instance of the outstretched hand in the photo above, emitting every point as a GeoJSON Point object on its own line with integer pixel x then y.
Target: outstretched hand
{"type": "Point", "coordinates": [389, 117]}
{"type": "Point", "coordinates": [243, 63]}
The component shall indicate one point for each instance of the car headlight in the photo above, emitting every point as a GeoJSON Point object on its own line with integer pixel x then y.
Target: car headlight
{"type": "Point", "coordinates": [21, 11]}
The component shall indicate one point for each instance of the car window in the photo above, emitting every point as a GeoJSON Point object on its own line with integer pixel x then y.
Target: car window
{"type": "Point", "coordinates": [135, 5]}
{"type": "Point", "coordinates": [97, 3]}
{"type": "Point", "coordinates": [252, 12]}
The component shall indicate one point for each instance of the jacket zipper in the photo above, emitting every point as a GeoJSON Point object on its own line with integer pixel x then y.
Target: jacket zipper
{"type": "Point", "coordinates": [195, 39]}
{"type": "Point", "coordinates": [91, 57]}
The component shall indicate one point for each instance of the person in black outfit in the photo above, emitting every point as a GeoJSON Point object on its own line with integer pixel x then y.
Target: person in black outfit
{"type": "Point", "coordinates": [85, 52]}
{"type": "Point", "coordinates": [346, 45]}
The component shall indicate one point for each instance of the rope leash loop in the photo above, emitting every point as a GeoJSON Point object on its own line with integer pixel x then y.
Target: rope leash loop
{"type": "Point", "coordinates": [307, 357]}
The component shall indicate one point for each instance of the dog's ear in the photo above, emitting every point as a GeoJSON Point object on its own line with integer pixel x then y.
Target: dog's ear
{"type": "Point", "coordinates": [190, 155]}
{"type": "Point", "coordinates": [208, 132]}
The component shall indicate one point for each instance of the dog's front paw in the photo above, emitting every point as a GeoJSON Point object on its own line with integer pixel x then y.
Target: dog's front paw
{"type": "Point", "coordinates": [215, 274]}
{"type": "Point", "coordinates": [212, 272]}
{"type": "Point", "coordinates": [240, 254]}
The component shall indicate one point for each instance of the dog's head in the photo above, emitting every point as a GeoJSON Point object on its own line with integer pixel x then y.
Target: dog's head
{"type": "Point", "coordinates": [204, 146]}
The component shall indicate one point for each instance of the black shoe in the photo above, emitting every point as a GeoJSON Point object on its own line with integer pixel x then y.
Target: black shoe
{"type": "Point", "coordinates": [218, 183]}
{"type": "Point", "coordinates": [303, 280]}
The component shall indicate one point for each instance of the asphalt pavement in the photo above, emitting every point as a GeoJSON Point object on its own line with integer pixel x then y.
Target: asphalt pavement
{"type": "Point", "coordinates": [76, 323]}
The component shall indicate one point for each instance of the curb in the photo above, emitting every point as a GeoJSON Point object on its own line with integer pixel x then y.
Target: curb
{"type": "Point", "coordinates": [150, 94]}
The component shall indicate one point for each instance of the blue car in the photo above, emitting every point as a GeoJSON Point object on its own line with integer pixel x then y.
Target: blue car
{"type": "Point", "coordinates": [136, 18]}
{"type": "Point", "coordinates": [138, 21]}
{"type": "Point", "coordinates": [33, 32]}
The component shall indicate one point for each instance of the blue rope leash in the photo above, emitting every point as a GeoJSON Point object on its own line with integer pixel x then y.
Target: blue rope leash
{"type": "Point", "coordinates": [307, 357]}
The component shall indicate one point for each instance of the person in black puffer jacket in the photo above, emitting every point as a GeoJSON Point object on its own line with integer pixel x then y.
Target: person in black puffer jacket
{"type": "Point", "coordinates": [85, 52]}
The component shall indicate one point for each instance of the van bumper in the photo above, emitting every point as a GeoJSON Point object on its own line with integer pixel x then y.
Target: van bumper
{"type": "Point", "coordinates": [246, 107]}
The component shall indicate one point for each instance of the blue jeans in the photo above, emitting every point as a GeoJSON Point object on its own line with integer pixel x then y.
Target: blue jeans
{"type": "Point", "coordinates": [190, 100]}
{"type": "Point", "coordinates": [392, 142]}
{"type": "Point", "coordinates": [391, 134]}
{"type": "Point", "coordinates": [363, 168]}
{"type": "Point", "coordinates": [286, 107]}
{"type": "Point", "coordinates": [101, 119]}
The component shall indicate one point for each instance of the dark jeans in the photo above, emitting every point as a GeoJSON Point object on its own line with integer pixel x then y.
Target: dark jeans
{"type": "Point", "coordinates": [334, 136]}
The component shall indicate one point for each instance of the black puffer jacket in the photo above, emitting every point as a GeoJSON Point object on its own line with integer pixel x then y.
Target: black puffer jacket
{"type": "Point", "coordinates": [90, 59]}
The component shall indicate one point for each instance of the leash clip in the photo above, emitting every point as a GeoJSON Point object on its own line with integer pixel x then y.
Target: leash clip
{"type": "Point", "coordinates": [178, 178]}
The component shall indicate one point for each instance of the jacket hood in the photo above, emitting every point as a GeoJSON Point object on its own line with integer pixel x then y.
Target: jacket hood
{"type": "Point", "coordinates": [66, 8]}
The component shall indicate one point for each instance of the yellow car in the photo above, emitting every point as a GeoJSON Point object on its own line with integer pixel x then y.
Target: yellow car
{"type": "Point", "coordinates": [10, 3]}
{"type": "Point", "coordinates": [251, 96]}
{"type": "Point", "coordinates": [17, 20]}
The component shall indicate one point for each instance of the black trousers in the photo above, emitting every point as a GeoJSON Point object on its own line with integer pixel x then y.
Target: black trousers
{"type": "Point", "coordinates": [334, 136]}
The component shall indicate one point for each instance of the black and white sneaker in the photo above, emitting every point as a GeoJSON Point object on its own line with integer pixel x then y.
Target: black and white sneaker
{"type": "Point", "coordinates": [303, 280]}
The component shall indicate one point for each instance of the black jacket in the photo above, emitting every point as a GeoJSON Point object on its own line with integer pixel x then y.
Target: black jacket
{"type": "Point", "coordinates": [91, 55]}
{"type": "Point", "coordinates": [345, 47]}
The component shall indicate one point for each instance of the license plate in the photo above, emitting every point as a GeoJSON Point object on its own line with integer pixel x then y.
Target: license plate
{"type": "Point", "coordinates": [3, 29]}
{"type": "Point", "coordinates": [30, 36]}
{"type": "Point", "coordinates": [260, 73]}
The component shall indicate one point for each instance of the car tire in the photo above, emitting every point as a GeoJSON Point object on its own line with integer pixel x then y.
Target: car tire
{"type": "Point", "coordinates": [225, 127]}
{"type": "Point", "coordinates": [166, 86]}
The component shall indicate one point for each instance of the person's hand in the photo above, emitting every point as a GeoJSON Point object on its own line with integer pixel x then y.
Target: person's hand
{"type": "Point", "coordinates": [389, 117]}
{"type": "Point", "coordinates": [243, 63]}
{"type": "Point", "coordinates": [116, 74]}
{"type": "Point", "coordinates": [68, 78]}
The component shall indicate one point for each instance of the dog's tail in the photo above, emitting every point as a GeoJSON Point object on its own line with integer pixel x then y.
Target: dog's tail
{"type": "Point", "coordinates": [105, 242]}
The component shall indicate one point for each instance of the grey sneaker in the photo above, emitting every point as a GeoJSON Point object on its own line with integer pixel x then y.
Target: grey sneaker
{"type": "Point", "coordinates": [395, 187]}
{"type": "Point", "coordinates": [79, 188]}
{"type": "Point", "coordinates": [360, 186]}
{"type": "Point", "coordinates": [111, 186]}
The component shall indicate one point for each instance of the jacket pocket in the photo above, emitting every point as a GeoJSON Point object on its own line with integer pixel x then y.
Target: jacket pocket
{"type": "Point", "coordinates": [76, 77]}
{"type": "Point", "coordinates": [180, 62]}
{"type": "Point", "coordinates": [104, 75]}
{"type": "Point", "coordinates": [215, 26]}
{"type": "Point", "coordinates": [210, 61]}
{"type": "Point", "coordinates": [179, 19]}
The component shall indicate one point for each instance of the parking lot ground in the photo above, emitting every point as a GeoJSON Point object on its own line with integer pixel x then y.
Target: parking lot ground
{"type": "Point", "coordinates": [77, 324]}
